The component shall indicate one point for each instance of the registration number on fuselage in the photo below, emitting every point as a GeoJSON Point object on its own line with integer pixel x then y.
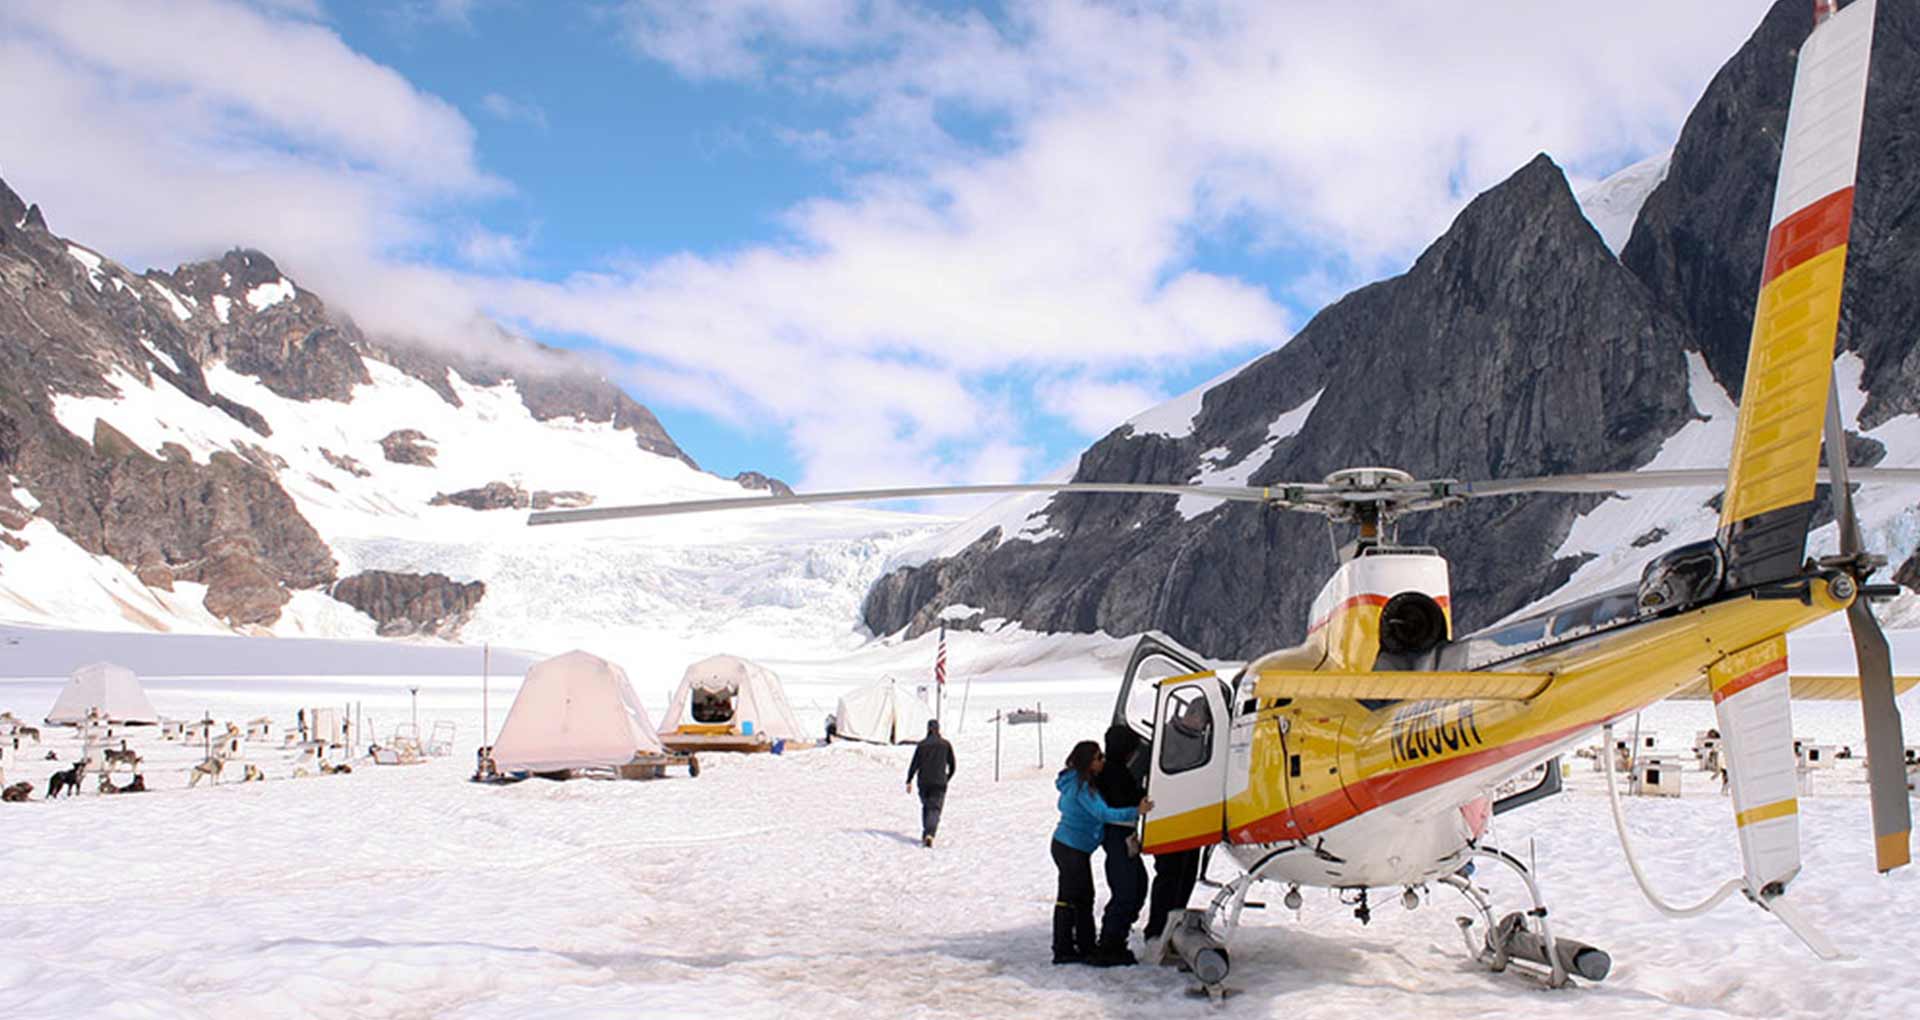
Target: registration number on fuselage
{"type": "Point", "coordinates": [1429, 729]}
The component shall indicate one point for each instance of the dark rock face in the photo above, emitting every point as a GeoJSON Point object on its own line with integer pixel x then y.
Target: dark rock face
{"type": "Point", "coordinates": [1908, 574]}
{"type": "Point", "coordinates": [1701, 236]}
{"type": "Point", "coordinates": [756, 480]}
{"type": "Point", "coordinates": [505, 496]}
{"type": "Point", "coordinates": [406, 605]}
{"type": "Point", "coordinates": [344, 463]}
{"type": "Point", "coordinates": [1569, 364]}
{"type": "Point", "coordinates": [224, 521]}
{"type": "Point", "coordinates": [1509, 349]}
{"type": "Point", "coordinates": [491, 496]}
{"type": "Point", "coordinates": [220, 518]}
{"type": "Point", "coordinates": [552, 384]}
{"type": "Point", "coordinates": [407, 446]}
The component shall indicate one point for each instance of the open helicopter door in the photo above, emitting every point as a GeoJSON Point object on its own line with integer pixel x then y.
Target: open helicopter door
{"type": "Point", "coordinates": [1185, 725]}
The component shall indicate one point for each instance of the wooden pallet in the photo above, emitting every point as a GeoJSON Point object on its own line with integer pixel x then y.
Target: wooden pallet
{"type": "Point", "coordinates": [654, 766]}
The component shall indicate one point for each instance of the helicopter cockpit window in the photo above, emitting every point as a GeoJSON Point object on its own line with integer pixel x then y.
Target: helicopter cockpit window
{"type": "Point", "coordinates": [1186, 739]}
{"type": "Point", "coordinates": [1144, 691]}
{"type": "Point", "coordinates": [712, 706]}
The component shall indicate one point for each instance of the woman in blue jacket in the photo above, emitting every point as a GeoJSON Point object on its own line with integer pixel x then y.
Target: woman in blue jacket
{"type": "Point", "coordinates": [1083, 817]}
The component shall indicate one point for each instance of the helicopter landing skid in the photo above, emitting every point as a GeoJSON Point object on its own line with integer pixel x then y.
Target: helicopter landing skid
{"type": "Point", "coordinates": [1525, 938]}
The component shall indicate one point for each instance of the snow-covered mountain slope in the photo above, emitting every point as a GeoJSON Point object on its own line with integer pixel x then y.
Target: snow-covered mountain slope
{"type": "Point", "coordinates": [1614, 203]}
{"type": "Point", "coordinates": [549, 588]}
{"type": "Point", "coordinates": [210, 450]}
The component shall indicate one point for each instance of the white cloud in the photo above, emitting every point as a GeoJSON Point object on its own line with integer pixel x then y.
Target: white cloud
{"type": "Point", "coordinates": [1054, 246]}
{"type": "Point", "coordinates": [1095, 406]}
{"type": "Point", "coordinates": [514, 111]}
{"type": "Point", "coordinates": [487, 249]}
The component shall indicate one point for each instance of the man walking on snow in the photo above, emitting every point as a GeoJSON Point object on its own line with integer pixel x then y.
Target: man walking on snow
{"type": "Point", "coordinates": [933, 763]}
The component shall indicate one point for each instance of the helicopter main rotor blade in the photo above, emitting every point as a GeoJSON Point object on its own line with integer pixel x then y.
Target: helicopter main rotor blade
{"type": "Point", "coordinates": [1677, 478]}
{"type": "Point", "coordinates": [1240, 493]}
{"type": "Point", "coordinates": [1886, 743]}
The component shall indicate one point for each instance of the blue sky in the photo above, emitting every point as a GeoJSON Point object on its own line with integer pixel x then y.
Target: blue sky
{"type": "Point", "coordinates": [845, 242]}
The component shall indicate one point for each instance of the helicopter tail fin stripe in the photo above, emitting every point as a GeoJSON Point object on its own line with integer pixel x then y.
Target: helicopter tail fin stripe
{"type": "Point", "coordinates": [1776, 453]}
{"type": "Point", "coordinates": [1765, 812]}
{"type": "Point", "coordinates": [1754, 709]}
{"type": "Point", "coordinates": [1735, 685]}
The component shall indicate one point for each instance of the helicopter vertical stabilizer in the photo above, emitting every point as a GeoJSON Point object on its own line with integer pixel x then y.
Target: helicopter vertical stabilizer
{"type": "Point", "coordinates": [1752, 700]}
{"type": "Point", "coordinates": [1776, 450]}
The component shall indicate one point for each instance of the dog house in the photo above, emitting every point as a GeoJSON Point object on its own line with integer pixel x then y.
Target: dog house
{"type": "Point", "coordinates": [1705, 744]}
{"type": "Point", "coordinates": [1815, 756]}
{"type": "Point", "coordinates": [326, 725]}
{"type": "Point", "coordinates": [1655, 776]}
{"type": "Point", "coordinates": [726, 703]}
{"type": "Point", "coordinates": [260, 728]}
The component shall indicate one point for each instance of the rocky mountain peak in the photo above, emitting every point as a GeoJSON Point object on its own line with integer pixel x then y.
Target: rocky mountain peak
{"type": "Point", "coordinates": [13, 210]}
{"type": "Point", "coordinates": [1515, 345]}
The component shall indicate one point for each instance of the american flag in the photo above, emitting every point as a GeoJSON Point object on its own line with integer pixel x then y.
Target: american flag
{"type": "Point", "coordinates": [940, 661]}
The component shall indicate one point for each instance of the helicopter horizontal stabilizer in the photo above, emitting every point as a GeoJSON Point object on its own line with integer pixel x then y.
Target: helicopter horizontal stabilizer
{"type": "Point", "coordinates": [1822, 687]}
{"type": "Point", "coordinates": [1396, 685]}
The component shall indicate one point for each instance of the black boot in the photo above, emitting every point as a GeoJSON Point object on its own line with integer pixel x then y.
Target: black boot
{"type": "Point", "coordinates": [1113, 952]}
{"type": "Point", "coordinates": [1065, 948]}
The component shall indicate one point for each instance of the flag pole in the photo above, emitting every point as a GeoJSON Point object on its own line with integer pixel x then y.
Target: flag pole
{"type": "Point", "coordinates": [940, 675]}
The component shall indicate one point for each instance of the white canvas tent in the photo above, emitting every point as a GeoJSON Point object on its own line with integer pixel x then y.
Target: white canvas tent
{"type": "Point", "coordinates": [573, 711]}
{"type": "Point", "coordinates": [728, 694]}
{"type": "Point", "coordinates": [113, 690]}
{"type": "Point", "coordinates": [885, 713]}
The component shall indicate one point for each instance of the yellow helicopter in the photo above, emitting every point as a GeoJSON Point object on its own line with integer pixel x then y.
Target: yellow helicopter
{"type": "Point", "coordinates": [1366, 757]}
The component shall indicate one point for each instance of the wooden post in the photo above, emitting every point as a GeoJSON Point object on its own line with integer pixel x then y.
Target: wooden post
{"type": "Point", "coordinates": [1040, 731]}
{"type": "Point", "coordinates": [486, 673]}
{"type": "Point", "coordinates": [996, 747]}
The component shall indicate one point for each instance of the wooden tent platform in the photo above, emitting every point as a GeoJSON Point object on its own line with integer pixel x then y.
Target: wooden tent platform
{"type": "Point", "coordinates": [654, 766]}
{"type": "Point", "coordinates": [734, 742]}
{"type": "Point", "coordinates": [643, 766]}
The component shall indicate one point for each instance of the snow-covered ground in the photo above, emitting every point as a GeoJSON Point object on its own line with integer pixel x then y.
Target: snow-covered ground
{"type": "Point", "coordinates": [794, 886]}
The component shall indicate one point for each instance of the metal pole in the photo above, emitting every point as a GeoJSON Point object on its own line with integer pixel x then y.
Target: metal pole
{"type": "Point", "coordinates": [486, 673]}
{"type": "Point", "coordinates": [996, 747]}
{"type": "Point", "coordinates": [1040, 731]}
{"type": "Point", "coordinates": [414, 693]}
{"type": "Point", "coordinates": [1633, 756]}
{"type": "Point", "coordinates": [963, 702]}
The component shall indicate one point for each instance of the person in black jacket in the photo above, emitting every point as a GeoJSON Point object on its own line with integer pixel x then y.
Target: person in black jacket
{"type": "Point", "coordinates": [1119, 786]}
{"type": "Point", "coordinates": [933, 763]}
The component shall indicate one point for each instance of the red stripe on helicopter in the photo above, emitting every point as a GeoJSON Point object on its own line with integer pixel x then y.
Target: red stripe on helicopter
{"type": "Point", "coordinates": [1748, 679]}
{"type": "Point", "coordinates": [1330, 809]}
{"type": "Point", "coordinates": [1362, 600]}
{"type": "Point", "coordinates": [1189, 843]}
{"type": "Point", "coordinates": [1808, 233]}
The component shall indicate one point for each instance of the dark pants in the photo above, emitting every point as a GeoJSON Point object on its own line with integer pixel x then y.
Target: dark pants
{"type": "Point", "coordinates": [932, 800]}
{"type": "Point", "coordinates": [1174, 876]}
{"type": "Point", "coordinates": [1126, 886]}
{"type": "Point", "coordinates": [1072, 904]}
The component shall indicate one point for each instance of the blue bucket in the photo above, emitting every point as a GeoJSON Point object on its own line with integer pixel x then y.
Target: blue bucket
{"type": "Point", "coordinates": [746, 728]}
